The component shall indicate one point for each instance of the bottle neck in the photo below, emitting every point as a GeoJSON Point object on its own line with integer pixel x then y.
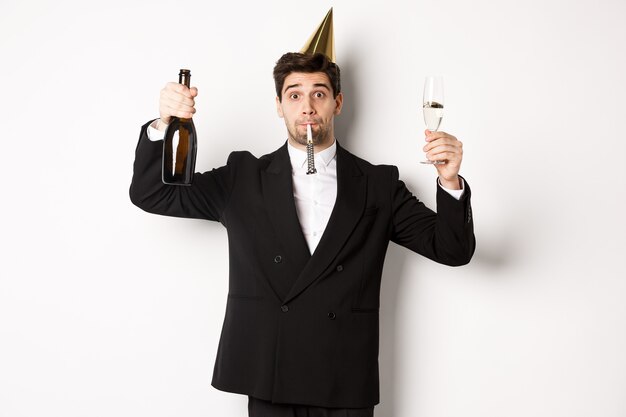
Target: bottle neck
{"type": "Point", "coordinates": [184, 77]}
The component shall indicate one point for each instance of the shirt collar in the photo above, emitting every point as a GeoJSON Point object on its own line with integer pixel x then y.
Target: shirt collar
{"type": "Point", "coordinates": [299, 159]}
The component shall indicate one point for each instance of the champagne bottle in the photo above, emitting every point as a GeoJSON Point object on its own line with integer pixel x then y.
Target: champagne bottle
{"type": "Point", "coordinates": [179, 146]}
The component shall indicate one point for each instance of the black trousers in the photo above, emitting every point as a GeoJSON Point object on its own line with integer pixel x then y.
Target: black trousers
{"type": "Point", "coordinates": [262, 408]}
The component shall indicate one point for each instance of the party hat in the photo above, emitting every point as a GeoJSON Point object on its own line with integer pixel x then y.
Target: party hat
{"type": "Point", "coordinates": [323, 39]}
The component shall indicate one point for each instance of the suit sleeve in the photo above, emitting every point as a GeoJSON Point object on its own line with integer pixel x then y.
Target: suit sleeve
{"type": "Point", "coordinates": [206, 198]}
{"type": "Point", "coordinates": [446, 236]}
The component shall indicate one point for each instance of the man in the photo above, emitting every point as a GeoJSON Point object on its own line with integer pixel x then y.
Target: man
{"type": "Point", "coordinates": [300, 335]}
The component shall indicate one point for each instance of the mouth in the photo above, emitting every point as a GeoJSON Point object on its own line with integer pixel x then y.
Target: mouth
{"type": "Point", "coordinates": [315, 127]}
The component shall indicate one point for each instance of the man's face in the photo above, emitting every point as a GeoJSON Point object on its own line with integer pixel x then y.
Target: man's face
{"type": "Point", "coordinates": [308, 99]}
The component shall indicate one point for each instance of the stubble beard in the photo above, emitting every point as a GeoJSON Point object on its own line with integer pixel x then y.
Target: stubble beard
{"type": "Point", "coordinates": [319, 136]}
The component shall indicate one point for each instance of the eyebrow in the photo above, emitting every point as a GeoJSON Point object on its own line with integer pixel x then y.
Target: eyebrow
{"type": "Point", "coordinates": [324, 85]}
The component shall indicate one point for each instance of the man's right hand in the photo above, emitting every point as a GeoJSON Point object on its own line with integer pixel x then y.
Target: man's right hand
{"type": "Point", "coordinates": [176, 100]}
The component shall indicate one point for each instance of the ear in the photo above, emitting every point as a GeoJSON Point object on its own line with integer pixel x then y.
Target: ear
{"type": "Point", "coordinates": [338, 103]}
{"type": "Point", "coordinates": [279, 108]}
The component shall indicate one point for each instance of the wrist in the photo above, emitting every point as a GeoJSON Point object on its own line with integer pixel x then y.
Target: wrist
{"type": "Point", "coordinates": [161, 125]}
{"type": "Point", "coordinates": [451, 184]}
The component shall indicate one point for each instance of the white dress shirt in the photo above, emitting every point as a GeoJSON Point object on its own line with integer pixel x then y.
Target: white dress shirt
{"type": "Point", "coordinates": [313, 194]}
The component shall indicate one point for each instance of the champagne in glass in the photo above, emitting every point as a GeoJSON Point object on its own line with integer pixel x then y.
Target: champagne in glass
{"type": "Point", "coordinates": [432, 105]}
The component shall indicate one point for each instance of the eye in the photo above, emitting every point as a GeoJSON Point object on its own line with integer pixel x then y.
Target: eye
{"type": "Point", "coordinates": [294, 96]}
{"type": "Point", "coordinates": [319, 94]}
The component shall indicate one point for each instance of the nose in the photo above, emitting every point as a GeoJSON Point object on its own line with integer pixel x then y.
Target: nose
{"type": "Point", "coordinates": [307, 108]}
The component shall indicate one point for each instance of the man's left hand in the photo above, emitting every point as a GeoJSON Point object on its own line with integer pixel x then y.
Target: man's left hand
{"type": "Point", "coordinates": [441, 146]}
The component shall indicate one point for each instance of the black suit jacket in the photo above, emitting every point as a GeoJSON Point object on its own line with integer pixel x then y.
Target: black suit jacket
{"type": "Point", "coordinates": [303, 328]}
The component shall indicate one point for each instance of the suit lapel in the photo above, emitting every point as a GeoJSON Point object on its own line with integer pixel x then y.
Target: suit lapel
{"type": "Point", "coordinates": [349, 206]}
{"type": "Point", "coordinates": [281, 208]}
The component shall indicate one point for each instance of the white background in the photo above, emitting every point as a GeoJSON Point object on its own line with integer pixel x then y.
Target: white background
{"type": "Point", "coordinates": [108, 311]}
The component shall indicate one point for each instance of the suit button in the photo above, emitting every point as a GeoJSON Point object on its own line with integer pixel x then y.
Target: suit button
{"type": "Point", "coordinates": [332, 315]}
{"type": "Point", "coordinates": [339, 268]}
{"type": "Point", "coordinates": [284, 309]}
{"type": "Point", "coordinates": [278, 259]}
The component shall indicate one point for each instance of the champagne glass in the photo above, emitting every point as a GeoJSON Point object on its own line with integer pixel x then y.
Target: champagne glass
{"type": "Point", "coordinates": [432, 105]}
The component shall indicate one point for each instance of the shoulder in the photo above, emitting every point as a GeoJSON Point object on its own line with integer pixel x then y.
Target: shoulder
{"type": "Point", "coordinates": [247, 158]}
{"type": "Point", "coordinates": [241, 157]}
{"type": "Point", "coordinates": [246, 161]}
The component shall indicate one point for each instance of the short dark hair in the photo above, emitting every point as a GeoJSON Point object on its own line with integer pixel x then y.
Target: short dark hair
{"type": "Point", "coordinates": [298, 62]}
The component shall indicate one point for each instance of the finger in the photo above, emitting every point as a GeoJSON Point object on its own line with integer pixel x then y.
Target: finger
{"type": "Point", "coordinates": [175, 93]}
{"type": "Point", "coordinates": [178, 110]}
{"type": "Point", "coordinates": [171, 108]}
{"type": "Point", "coordinates": [178, 88]}
{"type": "Point", "coordinates": [178, 113]}
{"type": "Point", "coordinates": [173, 88]}
{"type": "Point", "coordinates": [176, 99]}
{"type": "Point", "coordinates": [448, 146]}
{"type": "Point", "coordinates": [444, 156]}
{"type": "Point", "coordinates": [443, 142]}
{"type": "Point", "coordinates": [177, 105]}
{"type": "Point", "coordinates": [179, 101]}
{"type": "Point", "coordinates": [445, 152]}
{"type": "Point", "coordinates": [448, 157]}
{"type": "Point", "coordinates": [430, 135]}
